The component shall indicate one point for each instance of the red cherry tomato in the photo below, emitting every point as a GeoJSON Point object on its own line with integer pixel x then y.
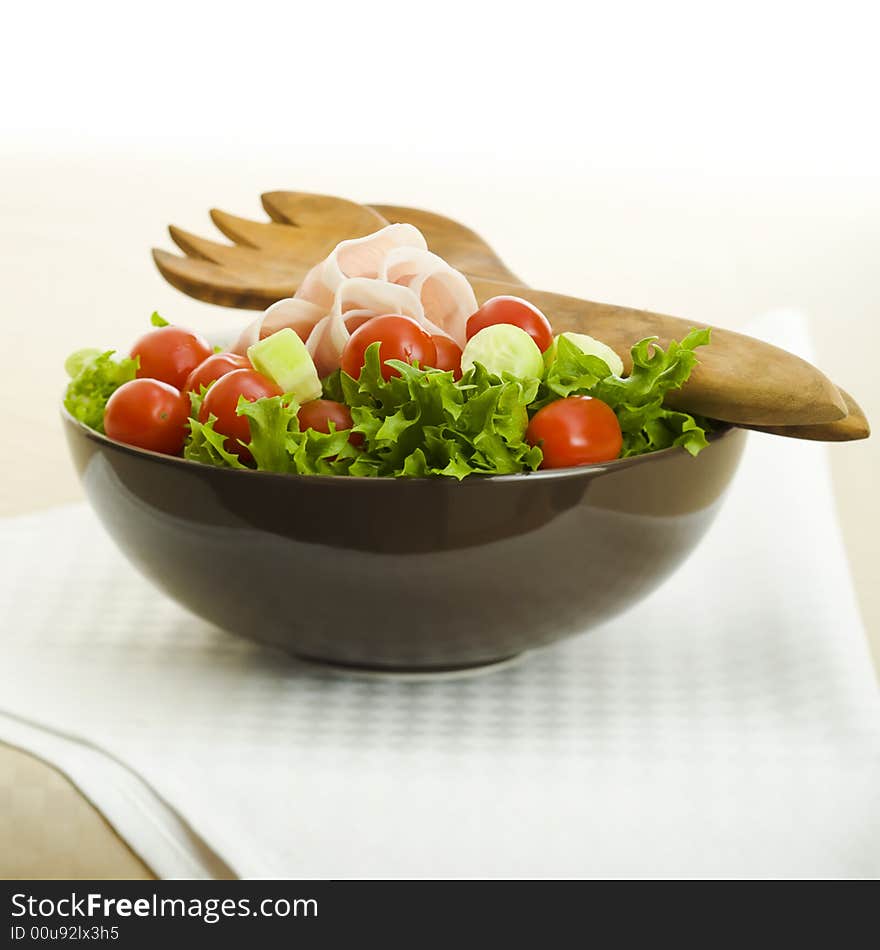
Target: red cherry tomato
{"type": "Point", "coordinates": [170, 354]}
{"type": "Point", "coordinates": [448, 355]}
{"type": "Point", "coordinates": [516, 311]}
{"type": "Point", "coordinates": [399, 338]}
{"type": "Point", "coordinates": [318, 413]}
{"type": "Point", "coordinates": [148, 413]}
{"type": "Point", "coordinates": [221, 400]}
{"type": "Point", "coordinates": [211, 369]}
{"type": "Point", "coordinates": [578, 430]}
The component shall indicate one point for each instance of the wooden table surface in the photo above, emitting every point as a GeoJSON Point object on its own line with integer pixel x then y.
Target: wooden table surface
{"type": "Point", "coordinates": [74, 244]}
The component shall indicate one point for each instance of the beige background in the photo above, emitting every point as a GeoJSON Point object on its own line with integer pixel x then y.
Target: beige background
{"type": "Point", "coordinates": [718, 247]}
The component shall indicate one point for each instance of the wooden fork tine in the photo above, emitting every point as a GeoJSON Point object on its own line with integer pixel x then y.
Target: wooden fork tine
{"type": "Point", "coordinates": [306, 210]}
{"type": "Point", "coordinates": [241, 259]}
{"type": "Point", "coordinates": [265, 235]}
{"type": "Point", "coordinates": [194, 246]}
{"type": "Point", "coordinates": [207, 281]}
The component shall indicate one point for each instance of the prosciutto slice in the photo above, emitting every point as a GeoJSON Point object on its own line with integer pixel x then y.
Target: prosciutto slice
{"type": "Point", "coordinates": [299, 315]}
{"type": "Point", "coordinates": [358, 257]}
{"type": "Point", "coordinates": [445, 293]}
{"type": "Point", "coordinates": [357, 300]}
{"type": "Point", "coordinates": [390, 271]}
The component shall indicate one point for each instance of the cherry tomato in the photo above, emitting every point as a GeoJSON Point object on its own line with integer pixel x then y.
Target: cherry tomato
{"type": "Point", "coordinates": [318, 413]}
{"type": "Point", "coordinates": [221, 401]}
{"type": "Point", "coordinates": [516, 311]}
{"type": "Point", "coordinates": [211, 369]}
{"type": "Point", "coordinates": [170, 354]}
{"type": "Point", "coordinates": [448, 355]}
{"type": "Point", "coordinates": [148, 413]}
{"type": "Point", "coordinates": [578, 430]}
{"type": "Point", "coordinates": [399, 338]}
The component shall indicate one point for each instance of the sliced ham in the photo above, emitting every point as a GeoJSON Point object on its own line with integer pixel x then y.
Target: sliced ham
{"type": "Point", "coordinates": [299, 315]}
{"type": "Point", "coordinates": [391, 271]}
{"type": "Point", "coordinates": [357, 299]}
{"type": "Point", "coordinates": [358, 257]}
{"type": "Point", "coordinates": [446, 295]}
{"type": "Point", "coordinates": [365, 257]}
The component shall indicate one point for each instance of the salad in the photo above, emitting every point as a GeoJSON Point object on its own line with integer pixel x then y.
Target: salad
{"type": "Point", "coordinates": [382, 364]}
{"type": "Point", "coordinates": [401, 401]}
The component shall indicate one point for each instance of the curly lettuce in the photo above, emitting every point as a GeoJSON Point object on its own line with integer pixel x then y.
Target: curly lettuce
{"type": "Point", "coordinates": [637, 399]}
{"type": "Point", "coordinates": [95, 376]}
{"type": "Point", "coordinates": [208, 446]}
{"type": "Point", "coordinates": [422, 422]}
{"type": "Point", "coordinates": [415, 425]}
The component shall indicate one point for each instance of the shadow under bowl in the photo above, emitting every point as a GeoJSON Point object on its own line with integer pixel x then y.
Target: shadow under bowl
{"type": "Point", "coordinates": [405, 574]}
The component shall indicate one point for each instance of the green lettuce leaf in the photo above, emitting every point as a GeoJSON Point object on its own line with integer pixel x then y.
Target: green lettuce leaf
{"type": "Point", "coordinates": [332, 386]}
{"type": "Point", "coordinates": [272, 421]}
{"type": "Point", "coordinates": [647, 425]}
{"type": "Point", "coordinates": [422, 423]}
{"type": "Point", "coordinates": [77, 362]}
{"type": "Point", "coordinates": [323, 453]}
{"type": "Point", "coordinates": [415, 425]}
{"type": "Point", "coordinates": [195, 401]}
{"type": "Point", "coordinates": [208, 446]}
{"type": "Point", "coordinates": [96, 376]}
{"type": "Point", "coordinates": [573, 371]}
{"type": "Point", "coordinates": [277, 444]}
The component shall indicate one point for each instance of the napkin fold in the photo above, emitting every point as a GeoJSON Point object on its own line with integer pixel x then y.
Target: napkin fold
{"type": "Point", "coordinates": [165, 843]}
{"type": "Point", "coordinates": [727, 726]}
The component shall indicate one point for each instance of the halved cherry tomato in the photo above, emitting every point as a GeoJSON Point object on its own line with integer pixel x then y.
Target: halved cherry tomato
{"type": "Point", "coordinates": [448, 355]}
{"type": "Point", "coordinates": [211, 369]}
{"type": "Point", "coordinates": [319, 413]}
{"type": "Point", "coordinates": [148, 413]}
{"type": "Point", "coordinates": [170, 354]}
{"type": "Point", "coordinates": [221, 400]}
{"type": "Point", "coordinates": [578, 430]}
{"type": "Point", "coordinates": [399, 338]}
{"type": "Point", "coordinates": [513, 310]}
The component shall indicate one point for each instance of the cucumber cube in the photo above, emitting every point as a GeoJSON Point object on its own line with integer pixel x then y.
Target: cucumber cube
{"type": "Point", "coordinates": [283, 357]}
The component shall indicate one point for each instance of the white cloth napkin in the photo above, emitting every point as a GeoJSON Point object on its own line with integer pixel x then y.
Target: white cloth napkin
{"type": "Point", "coordinates": [727, 726]}
{"type": "Point", "coordinates": [163, 840]}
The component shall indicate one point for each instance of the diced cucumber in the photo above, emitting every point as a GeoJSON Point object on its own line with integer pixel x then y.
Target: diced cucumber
{"type": "Point", "coordinates": [504, 348]}
{"type": "Point", "coordinates": [593, 347]}
{"type": "Point", "coordinates": [283, 357]}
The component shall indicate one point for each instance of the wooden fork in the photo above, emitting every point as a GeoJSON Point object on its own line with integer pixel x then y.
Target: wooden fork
{"type": "Point", "coordinates": [739, 379]}
{"type": "Point", "coordinates": [268, 259]}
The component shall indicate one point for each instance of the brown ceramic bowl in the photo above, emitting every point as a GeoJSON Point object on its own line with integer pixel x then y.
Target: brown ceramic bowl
{"type": "Point", "coordinates": [393, 574]}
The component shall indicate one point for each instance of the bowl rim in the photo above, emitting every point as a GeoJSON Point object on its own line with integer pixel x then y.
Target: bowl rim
{"type": "Point", "coordinates": [722, 431]}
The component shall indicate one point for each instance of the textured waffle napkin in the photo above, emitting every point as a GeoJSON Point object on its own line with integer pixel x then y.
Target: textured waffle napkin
{"type": "Point", "coordinates": [166, 843]}
{"type": "Point", "coordinates": [727, 726]}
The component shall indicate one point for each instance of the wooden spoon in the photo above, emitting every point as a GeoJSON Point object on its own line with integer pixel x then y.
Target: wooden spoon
{"type": "Point", "coordinates": [850, 428]}
{"type": "Point", "coordinates": [739, 379]}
